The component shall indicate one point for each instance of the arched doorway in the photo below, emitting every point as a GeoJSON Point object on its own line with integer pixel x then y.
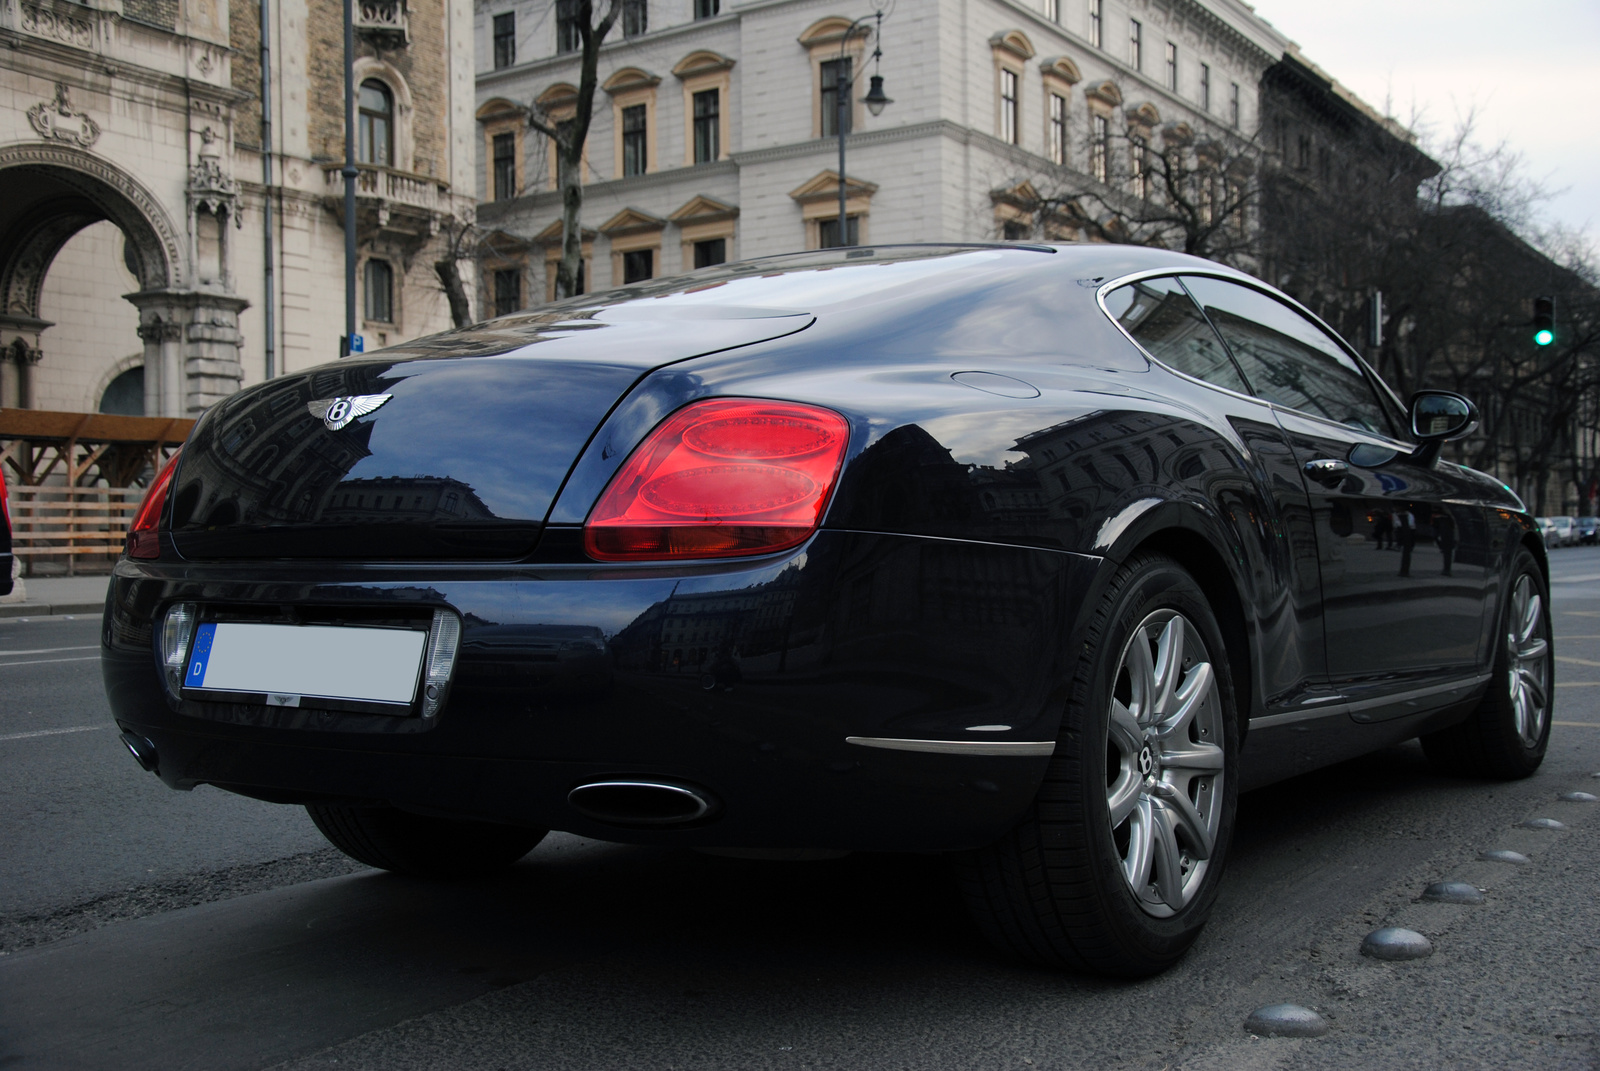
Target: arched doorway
{"type": "Point", "coordinates": [188, 326]}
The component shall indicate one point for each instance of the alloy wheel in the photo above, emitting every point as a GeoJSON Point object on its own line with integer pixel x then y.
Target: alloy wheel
{"type": "Point", "coordinates": [1529, 655]}
{"type": "Point", "coordinates": [1164, 762]}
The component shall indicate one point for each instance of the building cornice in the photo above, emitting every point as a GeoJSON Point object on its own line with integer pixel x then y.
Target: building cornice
{"type": "Point", "coordinates": [490, 212]}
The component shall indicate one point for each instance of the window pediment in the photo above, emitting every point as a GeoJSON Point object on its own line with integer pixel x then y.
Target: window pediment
{"type": "Point", "coordinates": [630, 78]}
{"type": "Point", "coordinates": [631, 221]}
{"type": "Point", "coordinates": [499, 108]}
{"type": "Point", "coordinates": [1023, 195]}
{"type": "Point", "coordinates": [702, 62]}
{"type": "Point", "coordinates": [1061, 68]}
{"type": "Point", "coordinates": [562, 94]}
{"type": "Point", "coordinates": [1014, 42]}
{"type": "Point", "coordinates": [825, 185]}
{"type": "Point", "coordinates": [1145, 115]}
{"type": "Point", "coordinates": [830, 31]}
{"type": "Point", "coordinates": [1106, 92]}
{"type": "Point", "coordinates": [703, 209]}
{"type": "Point", "coordinates": [552, 235]}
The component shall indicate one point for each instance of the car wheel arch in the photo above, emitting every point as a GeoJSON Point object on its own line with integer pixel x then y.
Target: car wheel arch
{"type": "Point", "coordinates": [1196, 538]}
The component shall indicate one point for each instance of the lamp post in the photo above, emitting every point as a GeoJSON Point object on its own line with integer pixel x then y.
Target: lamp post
{"type": "Point", "coordinates": [350, 173]}
{"type": "Point", "coordinates": [875, 100]}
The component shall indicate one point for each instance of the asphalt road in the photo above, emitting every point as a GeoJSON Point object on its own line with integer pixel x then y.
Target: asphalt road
{"type": "Point", "coordinates": [141, 927]}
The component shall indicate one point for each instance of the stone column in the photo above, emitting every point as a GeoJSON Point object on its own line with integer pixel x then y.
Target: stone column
{"type": "Point", "coordinates": [191, 346]}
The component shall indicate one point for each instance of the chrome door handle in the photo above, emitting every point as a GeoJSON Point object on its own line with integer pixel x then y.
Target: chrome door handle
{"type": "Point", "coordinates": [1327, 469]}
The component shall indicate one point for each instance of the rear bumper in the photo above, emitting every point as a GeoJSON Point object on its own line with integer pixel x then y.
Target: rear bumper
{"type": "Point", "coordinates": [743, 680]}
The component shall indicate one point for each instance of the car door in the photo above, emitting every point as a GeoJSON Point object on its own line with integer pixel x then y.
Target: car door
{"type": "Point", "coordinates": [1403, 547]}
{"type": "Point", "coordinates": [1158, 314]}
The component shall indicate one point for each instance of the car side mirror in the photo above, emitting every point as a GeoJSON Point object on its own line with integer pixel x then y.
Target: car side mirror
{"type": "Point", "coordinates": [1437, 416]}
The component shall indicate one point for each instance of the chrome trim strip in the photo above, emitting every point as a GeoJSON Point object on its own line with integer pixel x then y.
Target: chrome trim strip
{"type": "Point", "coordinates": [1294, 716]}
{"type": "Point", "coordinates": [1395, 699]}
{"type": "Point", "coordinates": [958, 747]}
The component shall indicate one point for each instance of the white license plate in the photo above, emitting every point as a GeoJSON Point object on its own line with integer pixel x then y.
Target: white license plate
{"type": "Point", "coordinates": [290, 662]}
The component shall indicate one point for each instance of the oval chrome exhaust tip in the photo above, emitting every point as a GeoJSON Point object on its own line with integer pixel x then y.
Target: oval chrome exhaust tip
{"type": "Point", "coordinates": [143, 752]}
{"type": "Point", "coordinates": [641, 803]}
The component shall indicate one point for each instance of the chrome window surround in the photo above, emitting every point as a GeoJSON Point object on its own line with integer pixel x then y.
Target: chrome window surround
{"type": "Point", "coordinates": [1373, 379]}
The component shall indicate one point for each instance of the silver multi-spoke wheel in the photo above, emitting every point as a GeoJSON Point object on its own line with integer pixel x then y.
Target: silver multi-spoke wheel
{"type": "Point", "coordinates": [1164, 762]}
{"type": "Point", "coordinates": [1529, 661]}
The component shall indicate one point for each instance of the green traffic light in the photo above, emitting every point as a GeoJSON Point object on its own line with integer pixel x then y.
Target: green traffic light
{"type": "Point", "coordinates": [1544, 337]}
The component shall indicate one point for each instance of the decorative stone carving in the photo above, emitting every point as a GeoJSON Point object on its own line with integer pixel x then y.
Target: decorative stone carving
{"type": "Point", "coordinates": [210, 187]}
{"type": "Point", "coordinates": [383, 22]}
{"type": "Point", "coordinates": [20, 353]}
{"type": "Point", "coordinates": [64, 28]}
{"type": "Point", "coordinates": [58, 120]}
{"type": "Point", "coordinates": [159, 330]}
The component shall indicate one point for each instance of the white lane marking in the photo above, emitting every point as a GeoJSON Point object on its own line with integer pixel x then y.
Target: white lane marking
{"type": "Point", "coordinates": [52, 732]}
{"type": "Point", "coordinates": [44, 661]}
{"type": "Point", "coordinates": [1578, 684]}
{"type": "Point", "coordinates": [1584, 579]}
{"type": "Point", "coordinates": [1576, 661]}
{"type": "Point", "coordinates": [1579, 724]}
{"type": "Point", "coordinates": [51, 650]}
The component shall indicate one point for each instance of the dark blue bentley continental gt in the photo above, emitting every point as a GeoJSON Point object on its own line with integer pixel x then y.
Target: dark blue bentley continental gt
{"type": "Point", "coordinates": [1033, 555]}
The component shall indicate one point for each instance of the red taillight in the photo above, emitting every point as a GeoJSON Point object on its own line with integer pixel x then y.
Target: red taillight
{"type": "Point", "coordinates": [143, 539]}
{"type": "Point", "coordinates": [721, 478]}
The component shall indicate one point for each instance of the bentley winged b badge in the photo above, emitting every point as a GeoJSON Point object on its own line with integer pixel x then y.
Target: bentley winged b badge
{"type": "Point", "coordinates": [335, 413]}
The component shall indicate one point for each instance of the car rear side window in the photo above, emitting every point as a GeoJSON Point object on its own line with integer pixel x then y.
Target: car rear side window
{"type": "Point", "coordinates": [1288, 359]}
{"type": "Point", "coordinates": [1161, 317]}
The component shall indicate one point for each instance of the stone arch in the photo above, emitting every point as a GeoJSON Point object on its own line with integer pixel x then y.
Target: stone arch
{"type": "Point", "coordinates": [97, 393]}
{"type": "Point", "coordinates": [1015, 42]}
{"type": "Point", "coordinates": [48, 193]}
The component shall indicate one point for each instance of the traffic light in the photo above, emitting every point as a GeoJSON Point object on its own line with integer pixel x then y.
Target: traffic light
{"type": "Point", "coordinates": [1544, 321]}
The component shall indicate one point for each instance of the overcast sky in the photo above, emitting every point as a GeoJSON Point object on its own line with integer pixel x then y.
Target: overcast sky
{"type": "Point", "coordinates": [1532, 68]}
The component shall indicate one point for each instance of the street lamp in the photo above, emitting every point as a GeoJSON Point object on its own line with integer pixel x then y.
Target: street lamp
{"type": "Point", "coordinates": [875, 100]}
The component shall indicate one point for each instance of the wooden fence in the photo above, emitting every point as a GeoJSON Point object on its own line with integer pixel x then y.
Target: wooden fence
{"type": "Point", "coordinates": [76, 481]}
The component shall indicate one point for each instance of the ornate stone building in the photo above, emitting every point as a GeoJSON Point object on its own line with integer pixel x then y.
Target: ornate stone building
{"type": "Point", "coordinates": [135, 270]}
{"type": "Point", "coordinates": [715, 137]}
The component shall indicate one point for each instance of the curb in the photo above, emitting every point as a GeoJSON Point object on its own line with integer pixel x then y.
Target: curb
{"type": "Point", "coordinates": [45, 609]}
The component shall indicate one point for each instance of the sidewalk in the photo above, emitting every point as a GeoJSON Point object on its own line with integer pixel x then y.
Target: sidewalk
{"type": "Point", "coordinates": [47, 595]}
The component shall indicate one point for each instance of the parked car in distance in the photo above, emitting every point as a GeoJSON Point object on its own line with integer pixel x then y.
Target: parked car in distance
{"type": "Point", "coordinates": [1547, 531]}
{"type": "Point", "coordinates": [1566, 530]}
{"type": "Point", "coordinates": [997, 551]}
{"type": "Point", "coordinates": [1588, 530]}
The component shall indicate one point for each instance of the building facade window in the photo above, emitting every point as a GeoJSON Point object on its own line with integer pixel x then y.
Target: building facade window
{"type": "Point", "coordinates": [711, 251]}
{"type": "Point", "coordinates": [1172, 66]}
{"type": "Point", "coordinates": [567, 39]}
{"type": "Point", "coordinates": [505, 40]}
{"type": "Point", "coordinates": [375, 140]}
{"type": "Point", "coordinates": [1008, 106]}
{"type": "Point", "coordinates": [1095, 36]}
{"type": "Point", "coordinates": [1052, 10]}
{"type": "Point", "coordinates": [1233, 104]}
{"type": "Point", "coordinates": [507, 291]}
{"type": "Point", "coordinates": [828, 232]}
{"type": "Point", "coordinates": [1205, 87]}
{"type": "Point", "coordinates": [505, 166]}
{"type": "Point", "coordinates": [707, 125]}
{"type": "Point", "coordinates": [1013, 230]}
{"type": "Point", "coordinates": [635, 17]}
{"type": "Point", "coordinates": [707, 9]}
{"type": "Point", "coordinates": [379, 280]}
{"type": "Point", "coordinates": [835, 80]}
{"type": "Point", "coordinates": [1058, 128]}
{"type": "Point", "coordinates": [638, 265]}
{"type": "Point", "coordinates": [1302, 156]}
{"type": "Point", "coordinates": [634, 146]}
{"type": "Point", "coordinates": [1139, 167]}
{"type": "Point", "coordinates": [1100, 149]}
{"type": "Point", "coordinates": [1136, 44]}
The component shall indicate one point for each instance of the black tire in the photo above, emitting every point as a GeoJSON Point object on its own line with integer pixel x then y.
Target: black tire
{"type": "Point", "coordinates": [1496, 741]}
{"type": "Point", "coordinates": [1053, 891]}
{"type": "Point", "coordinates": [391, 839]}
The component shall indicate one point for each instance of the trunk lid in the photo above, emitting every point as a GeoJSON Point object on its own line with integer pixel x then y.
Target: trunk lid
{"type": "Point", "coordinates": [457, 450]}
